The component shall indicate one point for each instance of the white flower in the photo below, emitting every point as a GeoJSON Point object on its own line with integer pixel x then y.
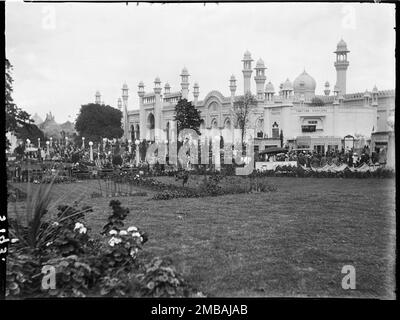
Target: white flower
{"type": "Point", "coordinates": [56, 224]}
{"type": "Point", "coordinates": [112, 232]}
{"type": "Point", "coordinates": [49, 243]}
{"type": "Point", "coordinates": [136, 234]}
{"type": "Point", "coordinates": [134, 252]}
{"type": "Point", "coordinates": [111, 242]}
{"type": "Point", "coordinates": [14, 240]}
{"type": "Point", "coordinates": [132, 228]}
{"type": "Point", "coordinates": [82, 230]}
{"type": "Point", "coordinates": [78, 225]}
{"type": "Point", "coordinates": [141, 239]}
{"type": "Point", "coordinates": [117, 240]}
{"type": "Point", "coordinates": [123, 233]}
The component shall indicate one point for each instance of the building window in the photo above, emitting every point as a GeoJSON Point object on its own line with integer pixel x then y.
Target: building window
{"type": "Point", "coordinates": [311, 128]}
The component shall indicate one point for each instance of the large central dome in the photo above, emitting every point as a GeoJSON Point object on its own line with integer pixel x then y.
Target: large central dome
{"type": "Point", "coordinates": [304, 84]}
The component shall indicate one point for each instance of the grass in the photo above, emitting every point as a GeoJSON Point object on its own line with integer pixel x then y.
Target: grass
{"type": "Point", "coordinates": [293, 242]}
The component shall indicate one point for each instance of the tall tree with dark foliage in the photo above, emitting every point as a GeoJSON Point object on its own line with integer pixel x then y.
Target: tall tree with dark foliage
{"type": "Point", "coordinates": [97, 121]}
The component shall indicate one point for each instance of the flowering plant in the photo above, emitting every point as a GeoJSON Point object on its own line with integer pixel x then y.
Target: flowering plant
{"type": "Point", "coordinates": [123, 246]}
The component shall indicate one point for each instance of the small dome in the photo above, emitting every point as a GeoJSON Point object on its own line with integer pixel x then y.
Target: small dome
{"type": "Point", "coordinates": [157, 80]}
{"type": "Point", "coordinates": [287, 85]}
{"type": "Point", "coordinates": [341, 46]}
{"type": "Point", "coordinates": [125, 86]}
{"type": "Point", "coordinates": [167, 85]}
{"type": "Point", "coordinates": [336, 88]}
{"type": "Point", "coordinates": [260, 63]}
{"type": "Point", "coordinates": [304, 82]}
{"type": "Point", "coordinates": [233, 77]}
{"type": "Point", "coordinates": [269, 88]}
{"type": "Point", "coordinates": [141, 84]}
{"type": "Point", "coordinates": [184, 72]}
{"type": "Point", "coordinates": [375, 89]}
{"type": "Point", "coordinates": [367, 94]}
{"type": "Point", "coordinates": [327, 84]}
{"type": "Point", "coordinates": [247, 55]}
{"type": "Point", "coordinates": [196, 85]}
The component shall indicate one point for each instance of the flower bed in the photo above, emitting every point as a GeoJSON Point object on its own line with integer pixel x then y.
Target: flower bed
{"type": "Point", "coordinates": [62, 258]}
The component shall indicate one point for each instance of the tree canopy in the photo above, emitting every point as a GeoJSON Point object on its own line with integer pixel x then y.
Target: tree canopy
{"type": "Point", "coordinates": [97, 121]}
{"type": "Point", "coordinates": [187, 116]}
{"type": "Point", "coordinates": [18, 121]}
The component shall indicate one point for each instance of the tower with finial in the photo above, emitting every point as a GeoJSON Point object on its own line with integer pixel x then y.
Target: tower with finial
{"type": "Point", "coordinates": [247, 71]}
{"type": "Point", "coordinates": [327, 91]}
{"type": "Point", "coordinates": [167, 88]}
{"type": "Point", "coordinates": [232, 85]}
{"type": "Point", "coordinates": [185, 83]}
{"type": "Point", "coordinates": [97, 98]}
{"type": "Point", "coordinates": [341, 65]}
{"type": "Point", "coordinates": [196, 92]}
{"type": "Point", "coordinates": [375, 96]}
{"type": "Point", "coordinates": [125, 110]}
{"type": "Point", "coordinates": [142, 112]}
{"type": "Point", "coordinates": [119, 103]}
{"type": "Point", "coordinates": [269, 92]}
{"type": "Point", "coordinates": [157, 109]}
{"type": "Point", "coordinates": [260, 79]}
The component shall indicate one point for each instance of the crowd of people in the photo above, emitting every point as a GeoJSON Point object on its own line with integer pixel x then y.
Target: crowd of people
{"type": "Point", "coordinates": [313, 158]}
{"type": "Point", "coordinates": [119, 154]}
{"type": "Point", "coordinates": [73, 153]}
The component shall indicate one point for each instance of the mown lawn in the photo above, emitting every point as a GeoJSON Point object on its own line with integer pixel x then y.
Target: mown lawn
{"type": "Point", "coordinates": [293, 242]}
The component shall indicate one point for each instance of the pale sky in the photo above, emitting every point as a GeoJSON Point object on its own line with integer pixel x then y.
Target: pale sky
{"type": "Point", "coordinates": [63, 53]}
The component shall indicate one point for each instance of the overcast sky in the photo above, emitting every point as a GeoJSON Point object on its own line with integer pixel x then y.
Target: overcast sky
{"type": "Point", "coordinates": [63, 53]}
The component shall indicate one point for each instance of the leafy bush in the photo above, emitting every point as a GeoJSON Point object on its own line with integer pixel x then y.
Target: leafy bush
{"type": "Point", "coordinates": [210, 185]}
{"type": "Point", "coordinates": [160, 279]}
{"type": "Point", "coordinates": [110, 266]}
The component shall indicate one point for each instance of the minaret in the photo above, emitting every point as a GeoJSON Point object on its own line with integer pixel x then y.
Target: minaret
{"type": "Point", "coordinates": [167, 88]}
{"type": "Point", "coordinates": [119, 104]}
{"type": "Point", "coordinates": [97, 98]}
{"type": "Point", "coordinates": [341, 65]}
{"type": "Point", "coordinates": [232, 87]}
{"type": "Point", "coordinates": [196, 93]}
{"type": "Point", "coordinates": [269, 92]}
{"type": "Point", "coordinates": [125, 110]}
{"type": "Point", "coordinates": [185, 83]}
{"type": "Point", "coordinates": [247, 71]}
{"type": "Point", "coordinates": [260, 79]}
{"type": "Point", "coordinates": [157, 109]}
{"type": "Point", "coordinates": [375, 96]}
{"type": "Point", "coordinates": [142, 120]}
{"type": "Point", "coordinates": [327, 91]}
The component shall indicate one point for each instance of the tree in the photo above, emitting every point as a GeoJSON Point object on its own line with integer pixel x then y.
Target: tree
{"type": "Point", "coordinates": [187, 116]}
{"type": "Point", "coordinates": [317, 102]}
{"type": "Point", "coordinates": [281, 138]}
{"type": "Point", "coordinates": [15, 116]}
{"type": "Point", "coordinates": [29, 131]}
{"type": "Point", "coordinates": [241, 111]}
{"type": "Point", "coordinates": [97, 121]}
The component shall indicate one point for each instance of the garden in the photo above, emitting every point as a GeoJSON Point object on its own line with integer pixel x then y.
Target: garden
{"type": "Point", "coordinates": [226, 236]}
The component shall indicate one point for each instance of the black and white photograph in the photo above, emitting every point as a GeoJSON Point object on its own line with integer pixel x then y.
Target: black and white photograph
{"type": "Point", "coordinates": [199, 150]}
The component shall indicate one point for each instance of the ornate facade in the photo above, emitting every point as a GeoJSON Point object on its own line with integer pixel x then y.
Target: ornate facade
{"type": "Point", "coordinates": [291, 110]}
